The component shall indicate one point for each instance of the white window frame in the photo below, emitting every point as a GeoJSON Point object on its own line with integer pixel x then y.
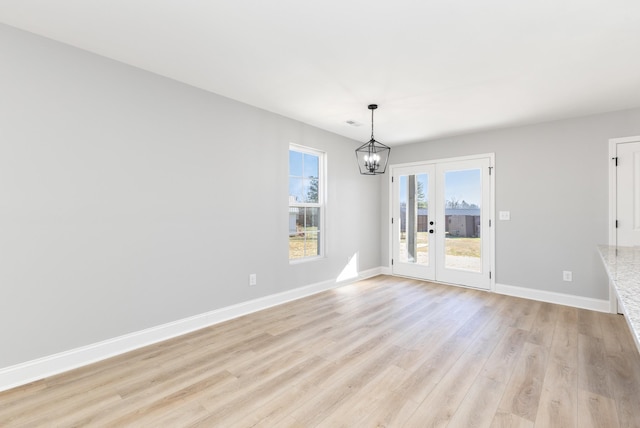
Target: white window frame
{"type": "Point", "coordinates": [321, 204]}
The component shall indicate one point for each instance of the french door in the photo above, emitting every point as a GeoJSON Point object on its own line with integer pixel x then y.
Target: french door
{"type": "Point", "coordinates": [441, 213]}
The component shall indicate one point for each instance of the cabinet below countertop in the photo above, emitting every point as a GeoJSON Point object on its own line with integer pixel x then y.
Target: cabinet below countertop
{"type": "Point", "coordinates": [623, 267]}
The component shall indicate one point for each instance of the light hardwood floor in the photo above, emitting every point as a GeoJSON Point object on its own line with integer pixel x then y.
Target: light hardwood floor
{"type": "Point", "coordinates": [385, 352]}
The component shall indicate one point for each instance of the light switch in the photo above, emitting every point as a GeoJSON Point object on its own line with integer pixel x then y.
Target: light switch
{"type": "Point", "coordinates": [505, 215]}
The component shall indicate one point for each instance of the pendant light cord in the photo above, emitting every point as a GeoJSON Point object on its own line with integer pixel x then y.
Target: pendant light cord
{"type": "Point", "coordinates": [372, 124]}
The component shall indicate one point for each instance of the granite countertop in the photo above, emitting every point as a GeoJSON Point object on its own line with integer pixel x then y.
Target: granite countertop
{"type": "Point", "coordinates": [623, 266]}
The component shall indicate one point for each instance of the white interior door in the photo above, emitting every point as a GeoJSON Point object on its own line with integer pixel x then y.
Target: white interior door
{"type": "Point", "coordinates": [628, 194]}
{"type": "Point", "coordinates": [441, 215]}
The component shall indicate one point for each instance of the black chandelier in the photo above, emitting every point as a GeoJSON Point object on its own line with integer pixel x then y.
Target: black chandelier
{"type": "Point", "coordinates": [373, 156]}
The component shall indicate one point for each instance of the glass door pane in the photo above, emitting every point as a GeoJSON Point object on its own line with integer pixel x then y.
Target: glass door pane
{"type": "Point", "coordinates": [414, 218]}
{"type": "Point", "coordinates": [463, 202]}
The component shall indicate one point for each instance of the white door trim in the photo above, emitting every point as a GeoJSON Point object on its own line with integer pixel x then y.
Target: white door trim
{"type": "Point", "coordinates": [492, 179]}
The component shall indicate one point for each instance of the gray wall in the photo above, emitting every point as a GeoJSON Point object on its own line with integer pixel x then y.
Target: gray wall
{"type": "Point", "coordinates": [553, 177]}
{"type": "Point", "coordinates": [128, 200]}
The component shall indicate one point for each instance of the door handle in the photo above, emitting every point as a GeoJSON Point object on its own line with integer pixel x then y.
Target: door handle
{"type": "Point", "coordinates": [431, 230]}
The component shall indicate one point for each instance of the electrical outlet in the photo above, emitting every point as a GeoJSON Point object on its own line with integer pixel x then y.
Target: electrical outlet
{"type": "Point", "coordinates": [567, 275]}
{"type": "Point", "coordinates": [253, 279]}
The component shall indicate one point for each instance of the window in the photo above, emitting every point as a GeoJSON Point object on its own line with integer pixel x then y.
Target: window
{"type": "Point", "coordinates": [306, 203]}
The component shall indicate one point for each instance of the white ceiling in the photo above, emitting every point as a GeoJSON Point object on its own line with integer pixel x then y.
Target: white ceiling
{"type": "Point", "coordinates": [435, 67]}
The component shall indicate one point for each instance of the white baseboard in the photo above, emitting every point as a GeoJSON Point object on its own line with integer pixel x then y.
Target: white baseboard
{"type": "Point", "coordinates": [23, 373]}
{"type": "Point", "coordinates": [541, 295]}
{"type": "Point", "coordinates": [552, 297]}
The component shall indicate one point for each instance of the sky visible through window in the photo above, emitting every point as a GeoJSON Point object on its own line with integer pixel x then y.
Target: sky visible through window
{"type": "Point", "coordinates": [463, 185]}
{"type": "Point", "coordinates": [303, 170]}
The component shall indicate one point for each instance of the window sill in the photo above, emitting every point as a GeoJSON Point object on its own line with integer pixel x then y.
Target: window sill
{"type": "Point", "coordinates": [305, 260]}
